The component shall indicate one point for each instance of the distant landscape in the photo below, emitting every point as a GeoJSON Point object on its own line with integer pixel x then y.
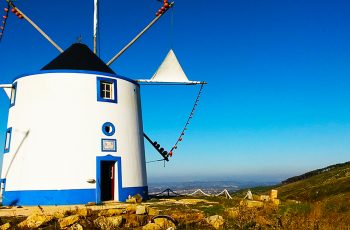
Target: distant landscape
{"type": "Point", "coordinates": [211, 187]}
{"type": "Point", "coordinates": [316, 200]}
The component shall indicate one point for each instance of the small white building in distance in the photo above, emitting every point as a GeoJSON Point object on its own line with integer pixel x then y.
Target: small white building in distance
{"type": "Point", "coordinates": [74, 134]}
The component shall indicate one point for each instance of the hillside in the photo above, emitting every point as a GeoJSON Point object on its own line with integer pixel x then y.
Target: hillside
{"type": "Point", "coordinates": [315, 172]}
{"type": "Point", "coordinates": [332, 181]}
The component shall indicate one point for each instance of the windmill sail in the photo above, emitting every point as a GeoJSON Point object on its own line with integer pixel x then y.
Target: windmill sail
{"type": "Point", "coordinates": [170, 71]}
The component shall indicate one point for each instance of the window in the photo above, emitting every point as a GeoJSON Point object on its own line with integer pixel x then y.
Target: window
{"type": "Point", "coordinates": [106, 90]}
{"type": "Point", "coordinates": [13, 94]}
{"type": "Point", "coordinates": [108, 129]}
{"type": "Point", "coordinates": [8, 140]}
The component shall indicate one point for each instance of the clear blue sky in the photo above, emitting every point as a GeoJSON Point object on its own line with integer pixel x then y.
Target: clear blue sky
{"type": "Point", "coordinates": [278, 99]}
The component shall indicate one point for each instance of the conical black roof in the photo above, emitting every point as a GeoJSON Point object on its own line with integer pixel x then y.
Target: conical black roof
{"type": "Point", "coordinates": [78, 57]}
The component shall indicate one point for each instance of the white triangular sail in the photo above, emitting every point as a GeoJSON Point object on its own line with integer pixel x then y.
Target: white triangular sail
{"type": "Point", "coordinates": [170, 70]}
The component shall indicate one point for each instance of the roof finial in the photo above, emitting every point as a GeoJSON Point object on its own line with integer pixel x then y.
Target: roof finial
{"type": "Point", "coordinates": [79, 39]}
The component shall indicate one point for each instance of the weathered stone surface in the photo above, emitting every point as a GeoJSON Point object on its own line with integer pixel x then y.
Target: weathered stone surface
{"type": "Point", "coordinates": [216, 221]}
{"type": "Point", "coordinates": [5, 226]}
{"type": "Point", "coordinates": [131, 200]}
{"type": "Point", "coordinates": [138, 198]}
{"type": "Point", "coordinates": [108, 222]}
{"type": "Point", "coordinates": [141, 210]}
{"type": "Point", "coordinates": [116, 221]}
{"type": "Point", "coordinates": [135, 199]}
{"type": "Point", "coordinates": [91, 204]}
{"type": "Point", "coordinates": [58, 215]}
{"type": "Point", "coordinates": [112, 212]}
{"type": "Point", "coordinates": [76, 227]}
{"type": "Point", "coordinates": [273, 194]}
{"type": "Point", "coordinates": [84, 212]}
{"type": "Point", "coordinates": [102, 223]}
{"type": "Point", "coordinates": [69, 220]}
{"type": "Point", "coordinates": [35, 221]}
{"type": "Point", "coordinates": [133, 221]}
{"type": "Point", "coordinates": [152, 211]}
{"type": "Point", "coordinates": [131, 209]}
{"type": "Point", "coordinates": [151, 226]}
{"type": "Point", "coordinates": [264, 198]}
{"type": "Point", "coordinates": [276, 201]}
{"type": "Point", "coordinates": [252, 203]}
{"type": "Point", "coordinates": [164, 223]}
{"type": "Point", "coordinates": [188, 217]}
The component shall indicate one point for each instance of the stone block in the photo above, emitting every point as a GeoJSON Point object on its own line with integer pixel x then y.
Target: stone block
{"type": "Point", "coordinates": [216, 221]}
{"type": "Point", "coordinates": [69, 220]}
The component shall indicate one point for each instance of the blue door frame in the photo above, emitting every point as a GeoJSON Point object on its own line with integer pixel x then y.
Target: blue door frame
{"type": "Point", "coordinates": [98, 175]}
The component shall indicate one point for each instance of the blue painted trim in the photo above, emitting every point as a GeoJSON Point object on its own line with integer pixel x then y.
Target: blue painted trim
{"type": "Point", "coordinates": [73, 196]}
{"type": "Point", "coordinates": [98, 86]}
{"type": "Point", "coordinates": [78, 71]}
{"type": "Point", "coordinates": [98, 174]}
{"type": "Point", "coordinates": [63, 197]}
{"type": "Point", "coordinates": [13, 91]}
{"type": "Point", "coordinates": [132, 191]}
{"type": "Point", "coordinates": [115, 145]}
{"type": "Point", "coordinates": [48, 197]}
{"type": "Point", "coordinates": [9, 130]}
{"type": "Point", "coordinates": [104, 129]}
{"type": "Point", "coordinates": [124, 193]}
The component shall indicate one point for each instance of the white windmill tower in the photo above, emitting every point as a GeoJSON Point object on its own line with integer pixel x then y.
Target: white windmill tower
{"type": "Point", "coordinates": [83, 143]}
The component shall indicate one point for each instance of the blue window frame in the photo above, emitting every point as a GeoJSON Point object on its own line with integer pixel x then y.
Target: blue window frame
{"type": "Point", "coordinates": [8, 140]}
{"type": "Point", "coordinates": [107, 90]}
{"type": "Point", "coordinates": [108, 145]}
{"type": "Point", "coordinates": [108, 129]}
{"type": "Point", "coordinates": [13, 94]}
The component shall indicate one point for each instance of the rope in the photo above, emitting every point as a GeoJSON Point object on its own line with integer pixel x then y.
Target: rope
{"type": "Point", "coordinates": [227, 194]}
{"type": "Point", "coordinates": [198, 191]}
{"type": "Point", "coordinates": [172, 28]}
{"type": "Point", "coordinates": [188, 121]}
{"type": "Point", "coordinates": [7, 10]}
{"type": "Point", "coordinates": [154, 161]}
{"type": "Point", "coordinates": [167, 191]}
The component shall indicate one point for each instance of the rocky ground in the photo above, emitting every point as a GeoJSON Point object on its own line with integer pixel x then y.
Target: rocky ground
{"type": "Point", "coordinates": [175, 213]}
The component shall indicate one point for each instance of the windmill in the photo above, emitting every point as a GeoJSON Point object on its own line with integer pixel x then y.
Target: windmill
{"type": "Point", "coordinates": [75, 132]}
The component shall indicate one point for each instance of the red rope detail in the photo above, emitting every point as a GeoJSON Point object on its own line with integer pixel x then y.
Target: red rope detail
{"type": "Point", "coordinates": [7, 10]}
{"type": "Point", "coordinates": [171, 152]}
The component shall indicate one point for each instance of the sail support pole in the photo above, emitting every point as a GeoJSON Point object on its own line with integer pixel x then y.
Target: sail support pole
{"type": "Point", "coordinates": [139, 35]}
{"type": "Point", "coordinates": [36, 26]}
{"type": "Point", "coordinates": [95, 25]}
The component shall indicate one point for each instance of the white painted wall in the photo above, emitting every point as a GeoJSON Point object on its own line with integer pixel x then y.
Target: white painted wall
{"type": "Point", "coordinates": [64, 120]}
